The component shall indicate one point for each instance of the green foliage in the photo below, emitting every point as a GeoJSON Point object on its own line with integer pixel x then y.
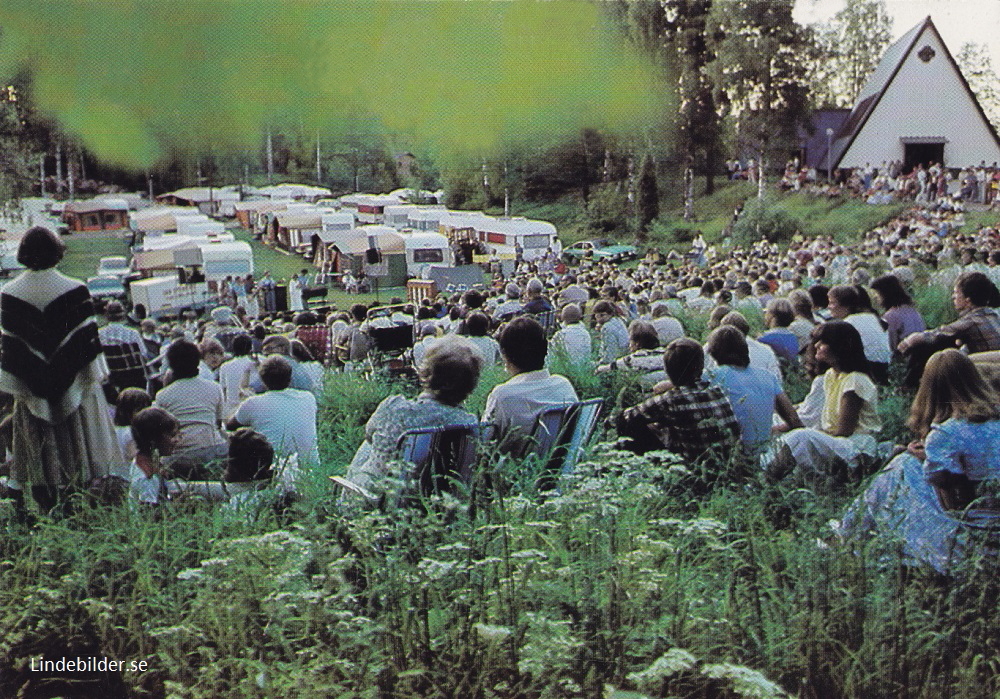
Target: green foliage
{"type": "Point", "coordinates": [849, 48]}
{"type": "Point", "coordinates": [763, 219]}
{"type": "Point", "coordinates": [609, 210]}
{"type": "Point", "coordinates": [934, 303]}
{"type": "Point", "coordinates": [647, 197]}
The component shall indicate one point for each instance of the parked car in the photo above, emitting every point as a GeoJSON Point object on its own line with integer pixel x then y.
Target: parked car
{"type": "Point", "coordinates": [116, 266]}
{"type": "Point", "coordinates": [106, 287]}
{"type": "Point", "coordinates": [601, 249]}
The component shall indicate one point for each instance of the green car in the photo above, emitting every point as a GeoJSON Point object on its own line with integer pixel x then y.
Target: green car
{"type": "Point", "coordinates": [601, 249]}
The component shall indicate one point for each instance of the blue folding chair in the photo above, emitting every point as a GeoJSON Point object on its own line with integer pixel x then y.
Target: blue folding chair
{"type": "Point", "coordinates": [559, 435]}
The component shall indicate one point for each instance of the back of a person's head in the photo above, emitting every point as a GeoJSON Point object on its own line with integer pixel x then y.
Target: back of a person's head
{"type": "Point", "coordinates": [978, 288]}
{"type": "Point", "coordinates": [183, 356]}
{"type": "Point", "coordinates": [450, 370]}
{"type": "Point", "coordinates": [250, 457]}
{"type": "Point", "coordinates": [40, 249]}
{"type": "Point", "coordinates": [660, 310]}
{"type": "Point", "coordinates": [535, 287]}
{"type": "Point", "coordinates": [781, 311]}
{"type": "Point", "coordinates": [684, 361]}
{"type": "Point", "coordinates": [300, 352]}
{"type": "Point", "coordinates": [728, 346]}
{"type": "Point", "coordinates": [306, 318]}
{"type": "Point", "coordinates": [242, 345]}
{"type": "Point", "coordinates": [359, 311]}
{"type": "Point", "coordinates": [149, 426]}
{"type": "Point", "coordinates": [891, 291]}
{"type": "Point", "coordinates": [801, 303]}
{"type": "Point", "coordinates": [276, 372]}
{"type": "Point", "coordinates": [951, 386]}
{"type": "Point", "coordinates": [604, 306]}
{"type": "Point", "coordinates": [642, 335]}
{"type": "Point", "coordinates": [737, 320]}
{"type": "Point", "coordinates": [211, 346]}
{"type": "Point", "coordinates": [130, 401]}
{"type": "Point", "coordinates": [477, 324]}
{"type": "Point", "coordinates": [819, 293]}
{"type": "Point", "coordinates": [847, 296]}
{"type": "Point", "coordinates": [523, 344]}
{"type": "Point", "coordinates": [571, 314]}
{"type": "Point", "coordinates": [277, 344]}
{"type": "Point", "coordinates": [472, 299]}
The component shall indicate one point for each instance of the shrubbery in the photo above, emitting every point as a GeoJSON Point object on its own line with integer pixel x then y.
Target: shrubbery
{"type": "Point", "coordinates": [764, 219]}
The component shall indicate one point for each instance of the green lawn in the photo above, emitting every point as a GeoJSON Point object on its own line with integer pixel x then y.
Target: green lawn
{"type": "Point", "coordinates": [85, 250]}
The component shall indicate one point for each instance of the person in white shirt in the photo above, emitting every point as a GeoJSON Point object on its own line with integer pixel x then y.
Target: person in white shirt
{"type": "Point", "coordinates": [476, 326]}
{"type": "Point", "coordinates": [667, 327]}
{"type": "Point", "coordinates": [286, 416]}
{"type": "Point", "coordinates": [572, 341]}
{"type": "Point", "coordinates": [515, 405]}
{"type": "Point", "coordinates": [194, 401]}
{"type": "Point", "coordinates": [847, 303]}
{"type": "Point", "coordinates": [233, 374]}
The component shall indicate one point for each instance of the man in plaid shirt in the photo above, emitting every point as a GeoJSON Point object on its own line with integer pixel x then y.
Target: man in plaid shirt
{"type": "Point", "coordinates": [693, 418]}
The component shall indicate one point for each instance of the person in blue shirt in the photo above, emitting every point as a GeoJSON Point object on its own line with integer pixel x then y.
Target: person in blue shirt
{"type": "Point", "coordinates": [755, 394]}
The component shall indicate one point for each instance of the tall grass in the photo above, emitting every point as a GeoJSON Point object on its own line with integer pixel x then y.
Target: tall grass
{"type": "Point", "coordinates": [638, 577]}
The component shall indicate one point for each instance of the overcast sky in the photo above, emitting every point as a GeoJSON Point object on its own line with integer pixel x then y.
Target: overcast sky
{"type": "Point", "coordinates": [958, 21]}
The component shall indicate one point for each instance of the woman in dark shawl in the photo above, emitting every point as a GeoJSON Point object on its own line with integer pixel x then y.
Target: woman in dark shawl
{"type": "Point", "coordinates": [51, 362]}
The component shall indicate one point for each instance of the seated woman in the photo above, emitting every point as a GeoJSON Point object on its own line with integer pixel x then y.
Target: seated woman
{"type": "Point", "coordinates": [848, 421]}
{"type": "Point", "coordinates": [449, 373]}
{"type": "Point", "coordinates": [942, 478]}
{"type": "Point", "coordinates": [901, 316]}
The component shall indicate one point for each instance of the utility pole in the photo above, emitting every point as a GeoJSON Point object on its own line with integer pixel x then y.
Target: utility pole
{"type": "Point", "coordinates": [319, 169]}
{"type": "Point", "coordinates": [41, 173]}
{"type": "Point", "coordinates": [59, 167]}
{"type": "Point", "coordinates": [270, 158]}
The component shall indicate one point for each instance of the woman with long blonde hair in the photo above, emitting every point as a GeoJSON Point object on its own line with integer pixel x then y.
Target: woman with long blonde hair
{"type": "Point", "coordinates": [940, 485]}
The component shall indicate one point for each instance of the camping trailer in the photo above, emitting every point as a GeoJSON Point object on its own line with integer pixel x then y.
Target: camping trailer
{"type": "Point", "coordinates": [187, 275]}
{"type": "Point", "coordinates": [425, 249]}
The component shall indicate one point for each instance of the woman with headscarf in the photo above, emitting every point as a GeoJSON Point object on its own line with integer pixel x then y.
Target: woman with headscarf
{"type": "Point", "coordinates": [51, 362]}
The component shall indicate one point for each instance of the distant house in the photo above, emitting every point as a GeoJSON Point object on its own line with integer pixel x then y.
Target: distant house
{"type": "Point", "coordinates": [100, 214]}
{"type": "Point", "coordinates": [212, 201]}
{"type": "Point", "coordinates": [916, 108]}
{"type": "Point", "coordinates": [295, 192]}
{"type": "Point", "coordinates": [293, 230]}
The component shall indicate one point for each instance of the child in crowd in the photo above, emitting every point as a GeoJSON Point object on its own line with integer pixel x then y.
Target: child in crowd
{"type": "Point", "coordinates": [130, 402]}
{"type": "Point", "coordinates": [157, 434]}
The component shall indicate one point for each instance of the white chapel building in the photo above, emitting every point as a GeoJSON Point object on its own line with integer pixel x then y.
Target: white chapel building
{"type": "Point", "coordinates": [916, 108]}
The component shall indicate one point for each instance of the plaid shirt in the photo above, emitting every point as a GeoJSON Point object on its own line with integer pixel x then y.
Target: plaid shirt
{"type": "Point", "coordinates": [691, 421]}
{"type": "Point", "coordinates": [979, 330]}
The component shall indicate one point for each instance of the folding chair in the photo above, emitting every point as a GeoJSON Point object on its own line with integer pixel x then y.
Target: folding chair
{"type": "Point", "coordinates": [441, 461]}
{"type": "Point", "coordinates": [559, 436]}
{"type": "Point", "coordinates": [442, 457]}
{"type": "Point", "coordinates": [547, 319]}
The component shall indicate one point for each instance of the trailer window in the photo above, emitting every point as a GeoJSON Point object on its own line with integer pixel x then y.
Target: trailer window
{"type": "Point", "coordinates": [535, 241]}
{"type": "Point", "coordinates": [428, 255]}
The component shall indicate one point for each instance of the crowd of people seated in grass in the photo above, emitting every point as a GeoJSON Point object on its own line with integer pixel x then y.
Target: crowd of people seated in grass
{"type": "Point", "coordinates": [708, 349]}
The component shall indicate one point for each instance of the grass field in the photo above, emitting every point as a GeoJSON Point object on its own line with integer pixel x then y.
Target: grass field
{"type": "Point", "coordinates": [642, 578]}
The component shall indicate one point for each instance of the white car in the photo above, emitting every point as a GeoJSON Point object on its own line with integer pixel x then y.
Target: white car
{"type": "Point", "coordinates": [113, 267]}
